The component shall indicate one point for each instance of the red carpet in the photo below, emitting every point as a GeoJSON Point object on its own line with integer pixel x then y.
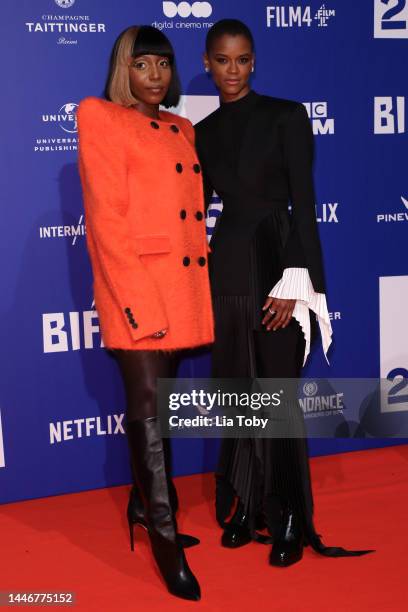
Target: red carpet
{"type": "Point", "coordinates": [80, 543]}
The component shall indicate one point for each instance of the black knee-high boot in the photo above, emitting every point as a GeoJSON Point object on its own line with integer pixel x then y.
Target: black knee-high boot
{"type": "Point", "coordinates": [148, 458]}
{"type": "Point", "coordinates": [136, 511]}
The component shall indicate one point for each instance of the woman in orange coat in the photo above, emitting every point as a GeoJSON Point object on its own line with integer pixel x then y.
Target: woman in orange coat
{"type": "Point", "coordinates": [146, 238]}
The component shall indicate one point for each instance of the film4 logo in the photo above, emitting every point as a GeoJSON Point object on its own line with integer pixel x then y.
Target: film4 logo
{"type": "Point", "coordinates": [389, 115]}
{"type": "Point", "coordinates": [390, 19]}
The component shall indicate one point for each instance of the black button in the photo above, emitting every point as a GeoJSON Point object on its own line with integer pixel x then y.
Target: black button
{"type": "Point", "coordinates": [134, 325]}
{"type": "Point", "coordinates": [197, 168]}
{"type": "Point", "coordinates": [183, 213]}
{"type": "Point", "coordinates": [174, 129]}
{"type": "Point", "coordinates": [127, 310]}
{"type": "Point", "coordinates": [186, 261]}
{"type": "Point", "coordinates": [201, 261]}
{"type": "Point", "coordinates": [131, 319]}
{"type": "Point", "coordinates": [179, 167]}
{"type": "Point", "coordinates": [199, 215]}
{"type": "Point", "coordinates": [154, 125]}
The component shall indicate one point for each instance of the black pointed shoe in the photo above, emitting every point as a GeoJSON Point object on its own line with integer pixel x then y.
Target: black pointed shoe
{"type": "Point", "coordinates": [288, 547]}
{"type": "Point", "coordinates": [147, 453]}
{"type": "Point", "coordinates": [236, 532]}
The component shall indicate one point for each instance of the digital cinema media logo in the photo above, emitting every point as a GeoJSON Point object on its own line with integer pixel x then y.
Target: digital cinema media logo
{"type": "Point", "coordinates": [185, 15]}
{"type": "Point", "coordinates": [65, 120]}
{"type": "Point", "coordinates": [389, 115]}
{"type": "Point", "coordinates": [390, 19]}
{"type": "Point", "coordinates": [297, 16]}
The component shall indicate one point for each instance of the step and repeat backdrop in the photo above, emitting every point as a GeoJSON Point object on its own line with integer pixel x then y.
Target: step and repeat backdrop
{"type": "Point", "coordinates": [61, 401]}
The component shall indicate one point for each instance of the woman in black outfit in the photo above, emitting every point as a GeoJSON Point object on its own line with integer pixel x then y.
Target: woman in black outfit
{"type": "Point", "coordinates": [266, 275]}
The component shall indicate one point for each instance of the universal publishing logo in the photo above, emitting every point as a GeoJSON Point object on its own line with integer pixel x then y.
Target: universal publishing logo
{"type": "Point", "coordinates": [66, 121]}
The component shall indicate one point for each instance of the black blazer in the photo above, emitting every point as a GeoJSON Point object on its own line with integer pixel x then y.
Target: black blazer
{"type": "Point", "coordinates": [275, 166]}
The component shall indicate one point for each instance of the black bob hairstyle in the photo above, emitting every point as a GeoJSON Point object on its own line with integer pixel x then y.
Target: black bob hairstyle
{"type": "Point", "coordinates": [132, 42]}
{"type": "Point", "coordinates": [231, 27]}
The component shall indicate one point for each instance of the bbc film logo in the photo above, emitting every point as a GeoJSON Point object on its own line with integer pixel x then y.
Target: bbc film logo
{"type": "Point", "coordinates": [390, 19]}
{"type": "Point", "coordinates": [298, 16]}
{"type": "Point", "coordinates": [389, 115]}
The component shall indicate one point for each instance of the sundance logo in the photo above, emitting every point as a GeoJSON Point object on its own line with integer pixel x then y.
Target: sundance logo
{"type": "Point", "coordinates": [320, 405]}
{"type": "Point", "coordinates": [187, 9]}
{"type": "Point", "coordinates": [109, 425]}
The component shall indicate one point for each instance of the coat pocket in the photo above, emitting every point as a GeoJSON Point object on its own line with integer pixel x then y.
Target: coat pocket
{"type": "Point", "coordinates": [149, 244]}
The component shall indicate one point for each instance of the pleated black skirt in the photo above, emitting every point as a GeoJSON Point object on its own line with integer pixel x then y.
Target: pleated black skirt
{"type": "Point", "coordinates": [264, 473]}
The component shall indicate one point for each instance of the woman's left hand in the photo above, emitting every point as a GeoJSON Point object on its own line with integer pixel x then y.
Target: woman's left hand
{"type": "Point", "coordinates": [278, 313]}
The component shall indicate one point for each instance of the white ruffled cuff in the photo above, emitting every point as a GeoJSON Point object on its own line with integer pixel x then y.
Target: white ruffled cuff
{"type": "Point", "coordinates": [295, 284]}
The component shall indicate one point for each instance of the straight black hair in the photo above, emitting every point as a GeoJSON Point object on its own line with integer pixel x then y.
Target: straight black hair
{"type": "Point", "coordinates": [232, 27]}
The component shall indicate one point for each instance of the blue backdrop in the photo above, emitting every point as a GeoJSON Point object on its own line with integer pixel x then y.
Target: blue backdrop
{"type": "Point", "coordinates": [61, 403]}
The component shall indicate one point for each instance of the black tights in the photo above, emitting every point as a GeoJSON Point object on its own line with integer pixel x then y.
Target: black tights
{"type": "Point", "coordinates": [140, 370]}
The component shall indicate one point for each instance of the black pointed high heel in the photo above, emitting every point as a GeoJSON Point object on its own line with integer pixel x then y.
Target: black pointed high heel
{"type": "Point", "coordinates": [147, 452]}
{"type": "Point", "coordinates": [236, 532]}
{"type": "Point", "coordinates": [288, 548]}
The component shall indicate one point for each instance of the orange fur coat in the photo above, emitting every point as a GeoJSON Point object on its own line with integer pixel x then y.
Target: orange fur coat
{"type": "Point", "coordinates": [145, 224]}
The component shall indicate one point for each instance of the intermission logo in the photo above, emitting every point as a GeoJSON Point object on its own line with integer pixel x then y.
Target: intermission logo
{"type": "Point", "coordinates": [318, 115]}
{"type": "Point", "coordinates": [395, 217]}
{"type": "Point", "coordinates": [65, 24]}
{"type": "Point", "coordinates": [71, 331]}
{"type": "Point", "coordinates": [65, 120]}
{"type": "Point", "coordinates": [64, 231]}
{"type": "Point", "coordinates": [390, 19]}
{"type": "Point", "coordinates": [314, 405]}
{"type": "Point", "coordinates": [181, 14]}
{"type": "Point", "coordinates": [389, 115]}
{"type": "Point", "coordinates": [109, 425]}
{"type": "Point", "coordinates": [296, 16]}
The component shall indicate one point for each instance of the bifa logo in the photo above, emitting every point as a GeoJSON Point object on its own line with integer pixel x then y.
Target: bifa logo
{"type": "Point", "coordinates": [321, 123]}
{"type": "Point", "coordinates": [314, 405]}
{"type": "Point", "coordinates": [64, 231]}
{"type": "Point", "coordinates": [109, 425]}
{"type": "Point", "coordinates": [389, 115]}
{"type": "Point", "coordinates": [390, 19]}
{"type": "Point", "coordinates": [297, 16]}
{"type": "Point", "coordinates": [187, 9]}
{"type": "Point", "coordinates": [326, 213]}
{"type": "Point", "coordinates": [72, 331]}
{"type": "Point", "coordinates": [2, 461]}
{"type": "Point", "coordinates": [394, 217]}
